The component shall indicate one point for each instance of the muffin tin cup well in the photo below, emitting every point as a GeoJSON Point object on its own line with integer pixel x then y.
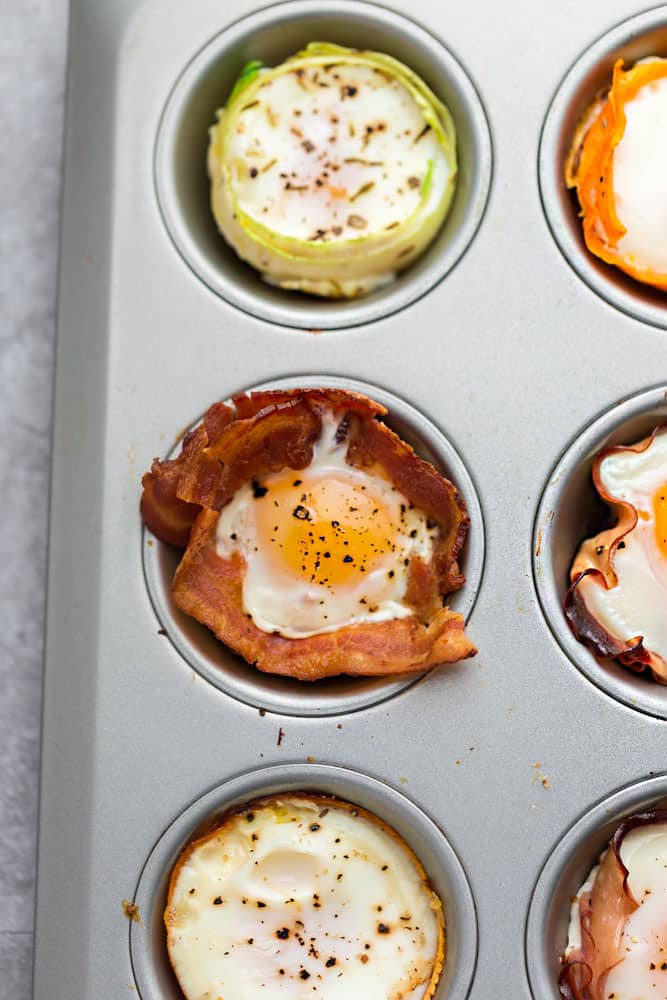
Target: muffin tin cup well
{"type": "Point", "coordinates": [150, 963]}
{"type": "Point", "coordinates": [271, 35]}
{"type": "Point", "coordinates": [569, 511]}
{"type": "Point", "coordinates": [638, 37]}
{"type": "Point", "coordinates": [231, 674]}
{"type": "Point", "coordinates": [565, 871]}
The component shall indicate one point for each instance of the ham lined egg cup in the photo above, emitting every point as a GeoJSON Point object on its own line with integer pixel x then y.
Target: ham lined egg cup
{"type": "Point", "coordinates": [303, 895]}
{"type": "Point", "coordinates": [316, 541]}
{"type": "Point", "coordinates": [617, 164]}
{"type": "Point", "coordinates": [617, 601]}
{"type": "Point", "coordinates": [617, 946]}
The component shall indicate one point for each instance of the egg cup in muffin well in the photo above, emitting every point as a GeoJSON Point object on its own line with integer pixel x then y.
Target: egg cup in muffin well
{"type": "Point", "coordinates": [302, 894]}
{"type": "Point", "coordinates": [317, 542]}
{"type": "Point", "coordinates": [618, 580]}
{"type": "Point", "coordinates": [617, 163]}
{"type": "Point", "coordinates": [333, 171]}
{"type": "Point", "coordinates": [616, 937]}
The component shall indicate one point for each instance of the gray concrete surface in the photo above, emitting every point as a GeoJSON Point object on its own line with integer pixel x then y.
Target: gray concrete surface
{"type": "Point", "coordinates": [32, 70]}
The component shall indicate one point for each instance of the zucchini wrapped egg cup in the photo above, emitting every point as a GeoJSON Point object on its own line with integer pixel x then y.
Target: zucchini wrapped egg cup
{"type": "Point", "coordinates": [333, 171]}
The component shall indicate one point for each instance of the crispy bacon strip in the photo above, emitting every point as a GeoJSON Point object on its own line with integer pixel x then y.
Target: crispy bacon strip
{"type": "Point", "coordinates": [260, 433]}
{"type": "Point", "coordinates": [269, 431]}
{"type": "Point", "coordinates": [589, 167]}
{"type": "Point", "coordinates": [210, 589]}
{"type": "Point", "coordinates": [594, 564]}
{"type": "Point", "coordinates": [603, 913]}
{"type": "Point", "coordinates": [166, 507]}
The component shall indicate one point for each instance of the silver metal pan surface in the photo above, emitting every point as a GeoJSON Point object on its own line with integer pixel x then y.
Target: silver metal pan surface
{"type": "Point", "coordinates": [507, 344]}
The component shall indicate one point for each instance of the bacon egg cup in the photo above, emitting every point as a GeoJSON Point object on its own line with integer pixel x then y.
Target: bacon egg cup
{"type": "Point", "coordinates": [316, 542]}
{"type": "Point", "coordinates": [616, 943]}
{"type": "Point", "coordinates": [617, 600]}
{"type": "Point", "coordinates": [617, 164]}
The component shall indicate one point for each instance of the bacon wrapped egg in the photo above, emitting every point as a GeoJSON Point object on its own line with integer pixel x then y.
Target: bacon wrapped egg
{"type": "Point", "coordinates": [618, 165]}
{"type": "Point", "coordinates": [617, 601]}
{"type": "Point", "coordinates": [316, 541]}
{"type": "Point", "coordinates": [333, 171]}
{"type": "Point", "coordinates": [302, 895]}
{"type": "Point", "coordinates": [617, 946]}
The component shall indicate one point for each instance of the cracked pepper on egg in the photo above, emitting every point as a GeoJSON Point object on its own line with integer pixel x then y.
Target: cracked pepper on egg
{"type": "Point", "coordinates": [333, 171]}
{"type": "Point", "coordinates": [303, 894]}
{"type": "Point", "coordinates": [617, 164]}
{"type": "Point", "coordinates": [316, 542]}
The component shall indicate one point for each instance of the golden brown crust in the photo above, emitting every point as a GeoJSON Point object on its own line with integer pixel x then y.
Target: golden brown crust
{"type": "Point", "coordinates": [327, 802]}
{"type": "Point", "coordinates": [269, 431]}
{"type": "Point", "coordinates": [594, 563]}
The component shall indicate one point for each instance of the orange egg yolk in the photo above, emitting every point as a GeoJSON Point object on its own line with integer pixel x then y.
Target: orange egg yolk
{"type": "Point", "coordinates": [660, 518]}
{"type": "Point", "coordinates": [327, 531]}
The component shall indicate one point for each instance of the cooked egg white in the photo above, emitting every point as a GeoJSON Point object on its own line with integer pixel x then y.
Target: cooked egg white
{"type": "Point", "coordinates": [333, 171]}
{"type": "Point", "coordinates": [636, 605]}
{"type": "Point", "coordinates": [300, 897]}
{"type": "Point", "coordinates": [642, 972]}
{"type": "Point", "coordinates": [324, 547]}
{"type": "Point", "coordinates": [640, 177]}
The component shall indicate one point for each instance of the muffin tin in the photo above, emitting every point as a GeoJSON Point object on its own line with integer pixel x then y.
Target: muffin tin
{"type": "Point", "coordinates": [499, 368]}
{"type": "Point", "coordinates": [217, 664]}
{"type": "Point", "coordinates": [150, 964]}
{"type": "Point", "coordinates": [271, 35]}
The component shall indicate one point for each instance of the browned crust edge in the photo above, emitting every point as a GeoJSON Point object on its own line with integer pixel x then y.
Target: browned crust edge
{"type": "Point", "coordinates": [326, 802]}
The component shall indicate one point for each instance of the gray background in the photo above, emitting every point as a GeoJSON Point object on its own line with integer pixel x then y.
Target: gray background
{"type": "Point", "coordinates": [32, 72]}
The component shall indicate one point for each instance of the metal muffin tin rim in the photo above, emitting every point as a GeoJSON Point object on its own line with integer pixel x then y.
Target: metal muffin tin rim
{"type": "Point", "coordinates": [284, 696]}
{"type": "Point", "coordinates": [307, 312]}
{"type": "Point", "coordinates": [372, 793]}
{"type": "Point", "coordinates": [590, 826]}
{"type": "Point", "coordinates": [609, 283]}
{"type": "Point", "coordinates": [635, 692]}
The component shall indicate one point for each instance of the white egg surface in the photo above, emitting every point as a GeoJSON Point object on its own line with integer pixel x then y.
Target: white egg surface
{"type": "Point", "coordinates": [640, 177]}
{"type": "Point", "coordinates": [630, 602]}
{"type": "Point", "coordinates": [618, 164]}
{"type": "Point", "coordinates": [324, 152]}
{"type": "Point", "coordinates": [316, 541]}
{"type": "Point", "coordinates": [326, 547]}
{"type": "Point", "coordinates": [332, 171]}
{"type": "Point", "coordinates": [624, 943]}
{"type": "Point", "coordinates": [301, 896]}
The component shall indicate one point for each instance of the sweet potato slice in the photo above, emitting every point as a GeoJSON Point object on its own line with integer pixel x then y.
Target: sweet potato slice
{"type": "Point", "coordinates": [589, 167]}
